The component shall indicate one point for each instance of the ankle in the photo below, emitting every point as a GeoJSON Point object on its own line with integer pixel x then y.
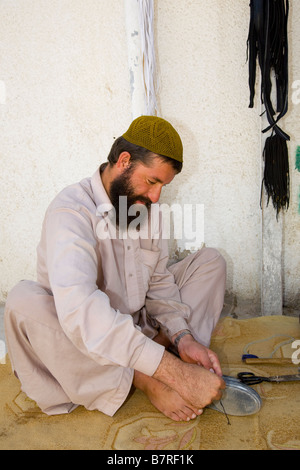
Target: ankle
{"type": "Point", "coordinates": [140, 381]}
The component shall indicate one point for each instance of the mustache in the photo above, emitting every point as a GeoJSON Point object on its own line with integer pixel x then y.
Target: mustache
{"type": "Point", "coordinates": [143, 199]}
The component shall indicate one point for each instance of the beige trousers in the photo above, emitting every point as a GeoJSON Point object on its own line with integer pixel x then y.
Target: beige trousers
{"type": "Point", "coordinates": [55, 374]}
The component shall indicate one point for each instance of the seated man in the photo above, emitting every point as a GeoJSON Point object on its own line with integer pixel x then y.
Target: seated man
{"type": "Point", "coordinates": [105, 308]}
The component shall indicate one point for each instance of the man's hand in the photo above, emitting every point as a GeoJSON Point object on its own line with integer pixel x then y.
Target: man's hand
{"type": "Point", "coordinates": [197, 385]}
{"type": "Point", "coordinates": [195, 353]}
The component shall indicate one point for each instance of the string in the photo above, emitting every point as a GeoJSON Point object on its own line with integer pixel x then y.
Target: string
{"type": "Point", "coordinates": [228, 421]}
{"type": "Point", "coordinates": [290, 340]}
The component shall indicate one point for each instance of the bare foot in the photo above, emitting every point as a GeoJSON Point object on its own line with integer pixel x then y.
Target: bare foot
{"type": "Point", "coordinates": [166, 400]}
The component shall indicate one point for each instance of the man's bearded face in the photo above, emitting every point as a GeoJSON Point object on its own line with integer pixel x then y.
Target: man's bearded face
{"type": "Point", "coordinates": [122, 186]}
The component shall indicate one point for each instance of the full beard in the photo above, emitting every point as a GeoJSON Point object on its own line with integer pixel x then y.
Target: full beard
{"type": "Point", "coordinates": [124, 200]}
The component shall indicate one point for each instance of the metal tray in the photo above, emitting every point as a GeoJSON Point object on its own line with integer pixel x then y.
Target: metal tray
{"type": "Point", "coordinates": [238, 399]}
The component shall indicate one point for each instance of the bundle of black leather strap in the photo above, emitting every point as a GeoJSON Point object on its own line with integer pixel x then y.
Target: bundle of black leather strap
{"type": "Point", "coordinates": [268, 45]}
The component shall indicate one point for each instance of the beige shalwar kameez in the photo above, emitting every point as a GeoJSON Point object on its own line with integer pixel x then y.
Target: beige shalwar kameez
{"type": "Point", "coordinates": [76, 335]}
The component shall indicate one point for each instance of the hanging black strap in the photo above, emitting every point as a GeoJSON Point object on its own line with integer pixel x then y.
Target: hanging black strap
{"type": "Point", "coordinates": [276, 179]}
{"type": "Point", "coordinates": [268, 44]}
{"type": "Point", "coordinates": [276, 57]}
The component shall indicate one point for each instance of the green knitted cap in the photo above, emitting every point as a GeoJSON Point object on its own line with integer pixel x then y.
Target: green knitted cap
{"type": "Point", "coordinates": [157, 135]}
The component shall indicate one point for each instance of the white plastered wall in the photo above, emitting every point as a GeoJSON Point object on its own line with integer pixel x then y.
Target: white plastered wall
{"type": "Point", "coordinates": [65, 70]}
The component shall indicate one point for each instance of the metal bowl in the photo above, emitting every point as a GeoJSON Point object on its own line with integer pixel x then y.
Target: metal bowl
{"type": "Point", "coordinates": [238, 399]}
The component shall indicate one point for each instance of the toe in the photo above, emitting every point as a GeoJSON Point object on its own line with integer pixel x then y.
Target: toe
{"type": "Point", "coordinates": [174, 417]}
{"type": "Point", "coordinates": [192, 412]}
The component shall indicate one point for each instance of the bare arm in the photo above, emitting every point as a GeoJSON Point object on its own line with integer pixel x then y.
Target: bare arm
{"type": "Point", "coordinates": [196, 384]}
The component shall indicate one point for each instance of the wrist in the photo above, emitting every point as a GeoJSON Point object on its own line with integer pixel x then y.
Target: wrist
{"type": "Point", "coordinates": [181, 336]}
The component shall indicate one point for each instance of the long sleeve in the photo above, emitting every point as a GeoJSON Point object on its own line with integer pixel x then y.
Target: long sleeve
{"type": "Point", "coordinates": [163, 300]}
{"type": "Point", "coordinates": [84, 311]}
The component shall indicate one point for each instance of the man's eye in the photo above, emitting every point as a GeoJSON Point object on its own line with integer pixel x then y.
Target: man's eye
{"type": "Point", "coordinates": [151, 182]}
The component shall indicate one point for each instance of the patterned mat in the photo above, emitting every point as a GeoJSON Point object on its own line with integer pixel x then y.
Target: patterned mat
{"type": "Point", "coordinates": [139, 426]}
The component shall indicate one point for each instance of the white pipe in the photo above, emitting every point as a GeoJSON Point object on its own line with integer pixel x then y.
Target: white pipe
{"type": "Point", "coordinates": [135, 59]}
{"type": "Point", "coordinates": [148, 55]}
{"type": "Point", "coordinates": [272, 243]}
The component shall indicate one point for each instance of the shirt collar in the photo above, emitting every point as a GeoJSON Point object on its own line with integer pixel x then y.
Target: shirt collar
{"type": "Point", "coordinates": [102, 200]}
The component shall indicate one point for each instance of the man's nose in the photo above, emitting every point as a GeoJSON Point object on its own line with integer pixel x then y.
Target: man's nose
{"type": "Point", "coordinates": [154, 194]}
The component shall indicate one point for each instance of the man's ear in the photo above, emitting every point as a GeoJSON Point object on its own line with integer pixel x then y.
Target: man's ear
{"type": "Point", "coordinates": [123, 161]}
